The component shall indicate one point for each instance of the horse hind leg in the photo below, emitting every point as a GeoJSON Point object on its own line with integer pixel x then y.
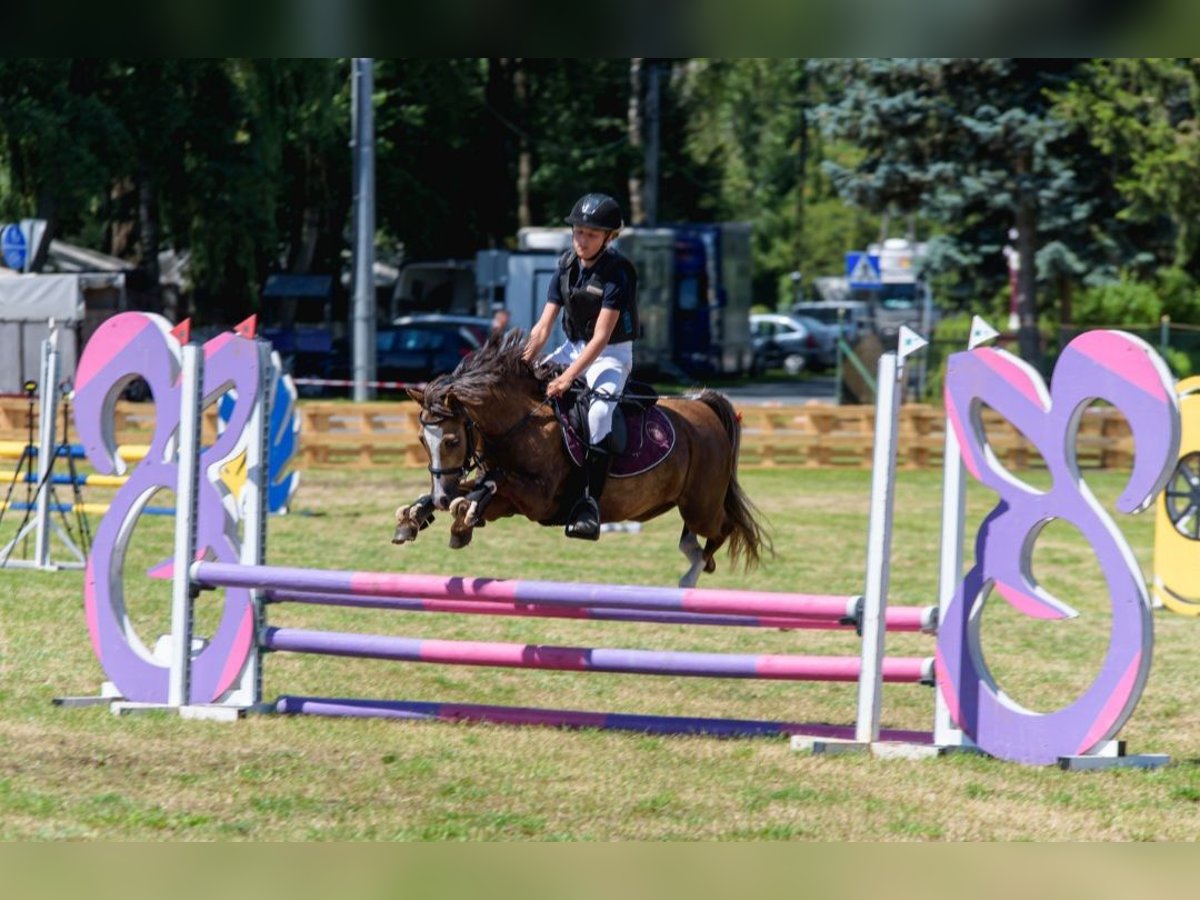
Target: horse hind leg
{"type": "Point", "coordinates": [689, 546]}
{"type": "Point", "coordinates": [711, 546]}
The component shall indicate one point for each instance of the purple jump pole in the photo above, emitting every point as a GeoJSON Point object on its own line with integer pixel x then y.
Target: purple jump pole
{"type": "Point", "coordinates": [549, 593]}
{"type": "Point", "coordinates": [902, 618]}
{"type": "Point", "coordinates": [906, 670]}
{"type": "Point", "coordinates": [562, 718]}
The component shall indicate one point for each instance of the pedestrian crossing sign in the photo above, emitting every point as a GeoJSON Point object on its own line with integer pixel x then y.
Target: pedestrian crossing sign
{"type": "Point", "coordinates": [862, 270]}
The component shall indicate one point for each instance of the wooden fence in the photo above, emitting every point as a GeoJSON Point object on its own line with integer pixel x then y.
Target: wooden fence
{"type": "Point", "coordinates": [812, 435]}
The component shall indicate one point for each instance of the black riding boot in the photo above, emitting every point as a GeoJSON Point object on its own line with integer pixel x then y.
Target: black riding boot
{"type": "Point", "coordinates": [585, 516]}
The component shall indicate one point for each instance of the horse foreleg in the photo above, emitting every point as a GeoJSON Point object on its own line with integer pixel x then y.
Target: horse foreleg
{"type": "Point", "coordinates": [413, 518]}
{"type": "Point", "coordinates": [468, 513]}
{"type": "Point", "coordinates": [460, 532]}
{"type": "Point", "coordinates": [689, 546]}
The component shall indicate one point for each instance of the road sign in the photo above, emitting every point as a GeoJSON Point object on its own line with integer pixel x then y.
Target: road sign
{"type": "Point", "coordinates": [862, 270]}
{"type": "Point", "coordinates": [14, 247]}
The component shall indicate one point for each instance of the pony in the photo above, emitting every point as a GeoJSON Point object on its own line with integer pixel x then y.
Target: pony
{"type": "Point", "coordinates": [496, 448]}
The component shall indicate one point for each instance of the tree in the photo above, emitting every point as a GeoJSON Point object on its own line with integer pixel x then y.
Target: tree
{"type": "Point", "coordinates": [968, 143]}
{"type": "Point", "coordinates": [1142, 114]}
{"type": "Point", "coordinates": [56, 139]}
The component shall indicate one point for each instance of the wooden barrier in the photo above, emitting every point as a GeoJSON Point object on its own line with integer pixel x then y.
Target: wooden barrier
{"type": "Point", "coordinates": [810, 435]}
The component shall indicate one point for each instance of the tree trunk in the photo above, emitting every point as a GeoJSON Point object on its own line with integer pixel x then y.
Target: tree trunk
{"type": "Point", "coordinates": [499, 206]}
{"type": "Point", "coordinates": [801, 171]}
{"type": "Point", "coordinates": [637, 209]}
{"type": "Point", "coordinates": [148, 225]}
{"type": "Point", "coordinates": [47, 208]}
{"type": "Point", "coordinates": [1065, 312]}
{"type": "Point", "coordinates": [304, 250]}
{"type": "Point", "coordinates": [524, 155]}
{"type": "Point", "coordinates": [1028, 338]}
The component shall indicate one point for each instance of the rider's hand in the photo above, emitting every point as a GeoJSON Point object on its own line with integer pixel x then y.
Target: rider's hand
{"type": "Point", "coordinates": [558, 386]}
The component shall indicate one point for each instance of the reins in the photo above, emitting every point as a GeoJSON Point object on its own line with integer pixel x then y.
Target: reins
{"type": "Point", "coordinates": [474, 459]}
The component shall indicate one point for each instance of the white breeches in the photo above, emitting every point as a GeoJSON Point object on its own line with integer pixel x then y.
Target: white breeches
{"type": "Point", "coordinates": [606, 376]}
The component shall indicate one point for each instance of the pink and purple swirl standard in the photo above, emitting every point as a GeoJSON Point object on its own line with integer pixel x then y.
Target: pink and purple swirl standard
{"type": "Point", "coordinates": [128, 346]}
{"type": "Point", "coordinates": [1104, 365]}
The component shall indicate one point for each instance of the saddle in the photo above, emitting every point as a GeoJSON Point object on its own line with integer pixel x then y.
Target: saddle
{"type": "Point", "coordinates": [642, 434]}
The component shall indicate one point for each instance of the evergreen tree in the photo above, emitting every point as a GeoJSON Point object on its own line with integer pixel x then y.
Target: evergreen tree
{"type": "Point", "coordinates": [971, 143]}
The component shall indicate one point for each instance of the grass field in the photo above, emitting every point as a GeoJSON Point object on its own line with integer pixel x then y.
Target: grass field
{"type": "Point", "coordinates": [86, 774]}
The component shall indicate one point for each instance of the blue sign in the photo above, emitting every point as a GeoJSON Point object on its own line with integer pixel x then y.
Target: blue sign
{"type": "Point", "coordinates": [14, 246]}
{"type": "Point", "coordinates": [862, 270]}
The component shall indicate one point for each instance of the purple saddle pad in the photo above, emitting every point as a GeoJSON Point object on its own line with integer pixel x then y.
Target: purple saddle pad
{"type": "Point", "coordinates": [650, 438]}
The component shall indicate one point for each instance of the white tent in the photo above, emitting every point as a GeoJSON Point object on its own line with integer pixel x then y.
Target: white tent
{"type": "Point", "coordinates": [27, 304]}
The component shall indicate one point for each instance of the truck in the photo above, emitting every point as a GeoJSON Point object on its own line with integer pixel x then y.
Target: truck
{"type": "Point", "coordinates": [885, 276]}
{"type": "Point", "coordinates": [694, 293]}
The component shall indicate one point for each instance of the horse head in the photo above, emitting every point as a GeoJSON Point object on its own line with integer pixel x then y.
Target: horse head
{"type": "Point", "coordinates": [448, 436]}
{"type": "Point", "coordinates": [474, 407]}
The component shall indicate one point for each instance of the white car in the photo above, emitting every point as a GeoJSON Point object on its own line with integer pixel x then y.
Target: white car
{"type": "Point", "coordinates": [793, 343]}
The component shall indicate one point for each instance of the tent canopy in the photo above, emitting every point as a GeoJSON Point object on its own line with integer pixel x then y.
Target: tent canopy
{"type": "Point", "coordinates": [36, 298]}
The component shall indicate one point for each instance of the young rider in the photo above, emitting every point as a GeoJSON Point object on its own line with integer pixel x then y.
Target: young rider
{"type": "Point", "coordinates": [598, 288]}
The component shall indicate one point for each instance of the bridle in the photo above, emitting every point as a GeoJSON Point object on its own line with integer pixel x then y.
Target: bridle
{"type": "Point", "coordinates": [474, 459]}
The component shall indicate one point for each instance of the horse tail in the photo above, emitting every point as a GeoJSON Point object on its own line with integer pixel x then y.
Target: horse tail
{"type": "Point", "coordinates": [748, 540]}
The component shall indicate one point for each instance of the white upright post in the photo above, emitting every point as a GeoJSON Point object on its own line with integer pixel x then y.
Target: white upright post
{"type": "Point", "coordinates": [879, 548]}
{"type": "Point", "coordinates": [954, 511]}
{"type": "Point", "coordinates": [191, 386]}
{"type": "Point", "coordinates": [954, 507]}
{"type": "Point", "coordinates": [888, 398]}
{"type": "Point", "coordinates": [39, 519]}
{"type": "Point", "coordinates": [248, 693]}
{"type": "Point", "coordinates": [46, 449]}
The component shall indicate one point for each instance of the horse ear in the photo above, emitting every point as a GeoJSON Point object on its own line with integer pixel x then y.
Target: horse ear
{"type": "Point", "coordinates": [417, 393]}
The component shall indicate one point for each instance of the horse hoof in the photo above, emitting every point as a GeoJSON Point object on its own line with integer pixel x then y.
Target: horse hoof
{"type": "Point", "coordinates": [404, 534]}
{"type": "Point", "coordinates": [459, 539]}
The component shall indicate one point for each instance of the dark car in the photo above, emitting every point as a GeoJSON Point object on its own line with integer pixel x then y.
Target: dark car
{"type": "Point", "coordinates": [418, 348]}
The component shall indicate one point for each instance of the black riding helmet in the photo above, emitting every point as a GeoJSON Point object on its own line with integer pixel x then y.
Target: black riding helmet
{"type": "Point", "coordinates": [596, 211]}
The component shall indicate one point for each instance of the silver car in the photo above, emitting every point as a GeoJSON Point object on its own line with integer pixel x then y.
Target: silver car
{"type": "Point", "coordinates": [793, 343]}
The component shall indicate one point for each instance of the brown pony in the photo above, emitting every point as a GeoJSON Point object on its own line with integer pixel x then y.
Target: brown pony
{"type": "Point", "coordinates": [490, 417]}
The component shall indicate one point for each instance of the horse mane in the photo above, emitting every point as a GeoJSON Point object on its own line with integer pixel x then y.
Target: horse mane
{"type": "Point", "coordinates": [494, 370]}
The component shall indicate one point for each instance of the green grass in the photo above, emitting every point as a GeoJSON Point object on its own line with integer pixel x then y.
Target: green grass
{"type": "Point", "coordinates": [84, 774]}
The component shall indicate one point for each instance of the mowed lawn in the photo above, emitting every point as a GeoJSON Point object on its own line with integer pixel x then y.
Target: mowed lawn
{"type": "Point", "coordinates": [86, 774]}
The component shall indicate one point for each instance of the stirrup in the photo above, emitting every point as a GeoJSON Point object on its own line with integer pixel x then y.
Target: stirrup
{"type": "Point", "coordinates": [584, 521]}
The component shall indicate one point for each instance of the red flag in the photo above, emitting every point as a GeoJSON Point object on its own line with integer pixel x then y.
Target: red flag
{"type": "Point", "coordinates": [183, 331]}
{"type": "Point", "coordinates": [248, 328]}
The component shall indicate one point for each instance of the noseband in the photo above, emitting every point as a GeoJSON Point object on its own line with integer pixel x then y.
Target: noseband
{"type": "Point", "coordinates": [472, 460]}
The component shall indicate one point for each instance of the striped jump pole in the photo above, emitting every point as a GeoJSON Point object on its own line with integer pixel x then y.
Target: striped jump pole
{"type": "Point", "coordinates": [898, 618]}
{"type": "Point", "coordinates": [562, 718]}
{"type": "Point", "coordinates": [778, 667]}
{"type": "Point", "coordinates": [546, 593]}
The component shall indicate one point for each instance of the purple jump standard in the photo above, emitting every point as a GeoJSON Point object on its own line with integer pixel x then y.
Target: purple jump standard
{"type": "Point", "coordinates": [905, 670]}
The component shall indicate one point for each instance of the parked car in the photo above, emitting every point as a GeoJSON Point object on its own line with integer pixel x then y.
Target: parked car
{"type": "Point", "coordinates": [478, 326]}
{"type": "Point", "coordinates": [417, 348]}
{"type": "Point", "coordinates": [854, 316]}
{"type": "Point", "coordinates": [794, 343]}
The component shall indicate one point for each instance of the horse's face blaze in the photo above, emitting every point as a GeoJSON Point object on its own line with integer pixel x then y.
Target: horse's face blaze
{"type": "Point", "coordinates": [446, 443]}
